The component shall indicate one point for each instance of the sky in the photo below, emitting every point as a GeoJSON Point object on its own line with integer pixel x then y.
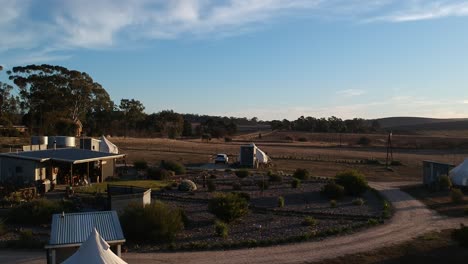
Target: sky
{"type": "Point", "coordinates": [270, 59]}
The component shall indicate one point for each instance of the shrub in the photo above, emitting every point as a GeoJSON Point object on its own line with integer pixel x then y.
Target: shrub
{"type": "Point", "coordinates": [309, 221]}
{"type": "Point", "coordinates": [364, 141]}
{"type": "Point", "coordinates": [396, 163]}
{"type": "Point", "coordinates": [288, 138]}
{"type": "Point", "coordinates": [38, 211]}
{"type": "Point", "coordinates": [280, 201]}
{"type": "Point", "coordinates": [187, 186]}
{"type": "Point", "coordinates": [140, 165]}
{"type": "Point", "coordinates": [296, 183]}
{"type": "Point", "coordinates": [228, 207]}
{"type": "Point", "coordinates": [242, 173]}
{"type": "Point", "coordinates": [333, 203]}
{"type": "Point", "coordinates": [227, 139]}
{"type": "Point", "coordinates": [275, 178]}
{"type": "Point", "coordinates": [221, 229]}
{"type": "Point", "coordinates": [332, 191]}
{"type": "Point", "coordinates": [301, 174]}
{"type": "Point", "coordinates": [2, 227]}
{"type": "Point", "coordinates": [461, 235]}
{"type": "Point", "coordinates": [156, 222]}
{"type": "Point", "coordinates": [211, 185]}
{"type": "Point", "coordinates": [174, 166]}
{"type": "Point", "coordinates": [159, 174]}
{"type": "Point", "coordinates": [444, 182]}
{"type": "Point", "coordinates": [353, 182]}
{"type": "Point", "coordinates": [244, 195]}
{"type": "Point", "coordinates": [456, 195]}
{"type": "Point", "coordinates": [372, 222]}
{"type": "Point", "coordinates": [302, 139]}
{"type": "Point", "coordinates": [236, 186]}
{"type": "Point", "coordinates": [263, 185]}
{"type": "Point", "coordinates": [358, 201]}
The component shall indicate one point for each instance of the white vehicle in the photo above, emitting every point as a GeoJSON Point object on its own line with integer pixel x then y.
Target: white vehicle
{"type": "Point", "coordinates": [222, 158]}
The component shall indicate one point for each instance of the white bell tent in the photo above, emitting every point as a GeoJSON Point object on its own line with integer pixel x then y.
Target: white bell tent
{"type": "Point", "coordinates": [94, 250]}
{"type": "Point", "coordinates": [459, 174]}
{"type": "Point", "coordinates": [106, 146]}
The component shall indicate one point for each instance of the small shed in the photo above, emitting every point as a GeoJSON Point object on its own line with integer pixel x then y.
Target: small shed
{"type": "Point", "coordinates": [433, 170]}
{"type": "Point", "coordinates": [69, 231]}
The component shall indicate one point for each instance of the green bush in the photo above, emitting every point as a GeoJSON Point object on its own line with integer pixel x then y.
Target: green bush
{"type": "Point", "coordinates": [296, 183]}
{"type": "Point", "coordinates": [332, 191]}
{"type": "Point", "coordinates": [3, 228]}
{"type": "Point", "coordinates": [174, 166]}
{"type": "Point", "coordinates": [456, 195]}
{"type": "Point", "coordinates": [37, 212]}
{"type": "Point", "coordinates": [444, 182]}
{"type": "Point", "coordinates": [228, 207]}
{"type": "Point", "coordinates": [221, 229]}
{"type": "Point", "coordinates": [280, 201]}
{"type": "Point", "coordinates": [236, 186]}
{"type": "Point", "coordinates": [333, 203]}
{"type": "Point", "coordinates": [263, 185]}
{"type": "Point", "coordinates": [227, 139]}
{"type": "Point", "coordinates": [358, 201]}
{"type": "Point", "coordinates": [364, 141]}
{"type": "Point", "coordinates": [159, 174]}
{"type": "Point", "coordinates": [275, 178]}
{"type": "Point", "coordinates": [156, 222]}
{"type": "Point", "coordinates": [461, 235]}
{"type": "Point", "coordinates": [372, 222]}
{"type": "Point", "coordinates": [354, 182]}
{"type": "Point", "coordinates": [211, 184]}
{"type": "Point", "coordinates": [301, 174]}
{"type": "Point", "coordinates": [242, 173]}
{"type": "Point", "coordinates": [140, 165]}
{"type": "Point", "coordinates": [187, 186]}
{"type": "Point", "coordinates": [309, 221]}
{"type": "Point", "coordinates": [244, 195]}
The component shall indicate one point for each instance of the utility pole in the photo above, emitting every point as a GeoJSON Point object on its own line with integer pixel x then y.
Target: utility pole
{"type": "Point", "coordinates": [389, 150]}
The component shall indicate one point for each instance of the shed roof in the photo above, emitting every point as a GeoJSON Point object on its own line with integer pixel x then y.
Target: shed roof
{"type": "Point", "coordinates": [69, 155]}
{"type": "Point", "coordinates": [73, 229]}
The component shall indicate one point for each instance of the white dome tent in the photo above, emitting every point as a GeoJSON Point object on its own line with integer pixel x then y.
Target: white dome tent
{"type": "Point", "coordinates": [459, 174]}
{"type": "Point", "coordinates": [94, 250]}
{"type": "Point", "coordinates": [106, 146]}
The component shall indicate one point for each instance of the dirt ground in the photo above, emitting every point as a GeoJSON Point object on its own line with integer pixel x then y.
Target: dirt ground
{"type": "Point", "coordinates": [287, 156]}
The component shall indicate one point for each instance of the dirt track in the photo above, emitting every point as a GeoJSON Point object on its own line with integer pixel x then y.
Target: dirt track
{"type": "Point", "coordinates": [411, 219]}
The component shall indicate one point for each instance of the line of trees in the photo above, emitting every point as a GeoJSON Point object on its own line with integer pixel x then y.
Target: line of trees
{"type": "Point", "coordinates": [327, 125]}
{"type": "Point", "coordinates": [53, 100]}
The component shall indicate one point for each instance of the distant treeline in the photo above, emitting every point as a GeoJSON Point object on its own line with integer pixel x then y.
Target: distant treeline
{"type": "Point", "coordinates": [327, 125]}
{"type": "Point", "coordinates": [53, 100]}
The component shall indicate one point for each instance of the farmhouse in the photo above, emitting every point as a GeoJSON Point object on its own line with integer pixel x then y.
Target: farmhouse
{"type": "Point", "coordinates": [61, 166]}
{"type": "Point", "coordinates": [69, 231]}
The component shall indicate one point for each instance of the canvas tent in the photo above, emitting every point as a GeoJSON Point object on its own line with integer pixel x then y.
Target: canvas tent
{"type": "Point", "coordinates": [459, 174]}
{"type": "Point", "coordinates": [252, 156]}
{"type": "Point", "coordinates": [261, 156]}
{"type": "Point", "coordinates": [106, 146]}
{"type": "Point", "coordinates": [94, 250]}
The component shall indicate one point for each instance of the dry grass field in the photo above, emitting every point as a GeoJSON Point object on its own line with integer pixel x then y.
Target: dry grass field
{"type": "Point", "coordinates": [321, 154]}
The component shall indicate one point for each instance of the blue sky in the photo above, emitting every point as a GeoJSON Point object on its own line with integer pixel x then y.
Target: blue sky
{"type": "Point", "coordinates": [272, 59]}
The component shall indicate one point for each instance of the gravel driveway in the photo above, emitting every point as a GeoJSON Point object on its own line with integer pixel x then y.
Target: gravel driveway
{"type": "Point", "coordinates": [411, 219]}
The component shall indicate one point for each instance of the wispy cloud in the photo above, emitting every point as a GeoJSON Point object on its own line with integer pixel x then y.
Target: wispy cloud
{"type": "Point", "coordinates": [425, 10]}
{"type": "Point", "coordinates": [350, 92]}
{"type": "Point", "coordinates": [55, 25]}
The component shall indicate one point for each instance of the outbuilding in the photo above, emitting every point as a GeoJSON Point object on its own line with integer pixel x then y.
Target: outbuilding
{"type": "Point", "coordinates": [433, 170]}
{"type": "Point", "coordinates": [69, 231]}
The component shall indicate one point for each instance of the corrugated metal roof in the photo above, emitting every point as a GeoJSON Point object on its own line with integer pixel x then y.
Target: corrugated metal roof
{"type": "Point", "coordinates": [70, 155]}
{"type": "Point", "coordinates": [75, 228]}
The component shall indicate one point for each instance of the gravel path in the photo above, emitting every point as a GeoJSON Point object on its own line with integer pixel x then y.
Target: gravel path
{"type": "Point", "coordinates": [411, 219]}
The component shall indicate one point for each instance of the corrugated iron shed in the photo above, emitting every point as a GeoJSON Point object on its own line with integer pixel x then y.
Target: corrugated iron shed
{"type": "Point", "coordinates": [75, 228]}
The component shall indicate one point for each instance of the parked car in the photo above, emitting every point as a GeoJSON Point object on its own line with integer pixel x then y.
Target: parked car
{"type": "Point", "coordinates": [222, 158]}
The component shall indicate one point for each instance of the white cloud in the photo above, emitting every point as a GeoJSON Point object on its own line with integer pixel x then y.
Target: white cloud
{"type": "Point", "coordinates": [350, 92]}
{"type": "Point", "coordinates": [425, 10]}
{"type": "Point", "coordinates": [99, 24]}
